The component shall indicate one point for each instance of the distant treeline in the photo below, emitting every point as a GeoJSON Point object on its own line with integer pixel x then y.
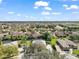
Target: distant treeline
{"type": "Point", "coordinates": [39, 22]}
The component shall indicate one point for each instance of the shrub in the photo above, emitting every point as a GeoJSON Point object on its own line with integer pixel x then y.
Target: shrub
{"type": "Point", "coordinates": [23, 29]}
{"type": "Point", "coordinates": [2, 49]}
{"type": "Point", "coordinates": [46, 36]}
{"type": "Point", "coordinates": [74, 37]}
{"type": "Point", "coordinates": [14, 37]}
{"type": "Point", "coordinates": [11, 51]}
{"type": "Point", "coordinates": [24, 43]}
{"type": "Point", "coordinates": [0, 42]}
{"type": "Point", "coordinates": [23, 40]}
{"type": "Point", "coordinates": [7, 37]}
{"type": "Point", "coordinates": [28, 43]}
{"type": "Point", "coordinates": [24, 37]}
{"type": "Point", "coordinates": [76, 52]}
{"type": "Point", "coordinates": [8, 51]}
{"type": "Point", "coordinates": [53, 40]}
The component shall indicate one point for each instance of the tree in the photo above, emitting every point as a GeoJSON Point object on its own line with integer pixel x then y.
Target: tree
{"type": "Point", "coordinates": [53, 40]}
{"type": "Point", "coordinates": [13, 37]}
{"type": "Point", "coordinates": [24, 37]}
{"type": "Point", "coordinates": [74, 37]}
{"type": "Point", "coordinates": [8, 51]}
{"type": "Point", "coordinates": [23, 29]}
{"type": "Point", "coordinates": [11, 51]}
{"type": "Point", "coordinates": [2, 49]}
{"type": "Point", "coordinates": [0, 41]}
{"type": "Point", "coordinates": [46, 36]}
{"type": "Point", "coordinates": [23, 40]}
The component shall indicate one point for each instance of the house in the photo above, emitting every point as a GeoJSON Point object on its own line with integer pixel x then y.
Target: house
{"type": "Point", "coordinates": [69, 56]}
{"type": "Point", "coordinates": [66, 44]}
{"type": "Point", "coordinates": [62, 44]}
{"type": "Point", "coordinates": [3, 34]}
{"type": "Point", "coordinates": [27, 33]}
{"type": "Point", "coordinates": [36, 35]}
{"type": "Point", "coordinates": [58, 28]}
{"type": "Point", "coordinates": [16, 33]}
{"type": "Point", "coordinates": [59, 33]}
{"type": "Point", "coordinates": [71, 44]}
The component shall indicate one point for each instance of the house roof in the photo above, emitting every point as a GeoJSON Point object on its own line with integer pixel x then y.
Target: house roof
{"type": "Point", "coordinates": [59, 33]}
{"type": "Point", "coordinates": [27, 33]}
{"type": "Point", "coordinates": [70, 43]}
{"type": "Point", "coordinates": [36, 34]}
{"type": "Point", "coordinates": [2, 34]}
{"type": "Point", "coordinates": [17, 33]}
{"type": "Point", "coordinates": [63, 43]}
{"type": "Point", "coordinates": [70, 57]}
{"type": "Point", "coordinates": [58, 27]}
{"type": "Point", "coordinates": [66, 43]}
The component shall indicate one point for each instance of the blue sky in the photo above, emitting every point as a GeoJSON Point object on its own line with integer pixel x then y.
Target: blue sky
{"type": "Point", "coordinates": [39, 10]}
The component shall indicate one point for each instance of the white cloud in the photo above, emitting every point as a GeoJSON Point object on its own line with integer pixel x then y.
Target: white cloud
{"type": "Point", "coordinates": [45, 13]}
{"type": "Point", "coordinates": [73, 7]}
{"type": "Point", "coordinates": [18, 14]}
{"type": "Point", "coordinates": [48, 8]}
{"type": "Point", "coordinates": [65, 6]}
{"type": "Point", "coordinates": [11, 12]}
{"type": "Point", "coordinates": [35, 7]}
{"type": "Point", "coordinates": [41, 3]}
{"type": "Point", "coordinates": [75, 12]}
{"type": "Point", "coordinates": [56, 13]}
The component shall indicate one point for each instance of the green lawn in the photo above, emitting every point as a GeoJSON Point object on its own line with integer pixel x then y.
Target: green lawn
{"type": "Point", "coordinates": [76, 52]}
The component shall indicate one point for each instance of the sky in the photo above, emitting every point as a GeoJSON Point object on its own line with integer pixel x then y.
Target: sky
{"type": "Point", "coordinates": [39, 10]}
